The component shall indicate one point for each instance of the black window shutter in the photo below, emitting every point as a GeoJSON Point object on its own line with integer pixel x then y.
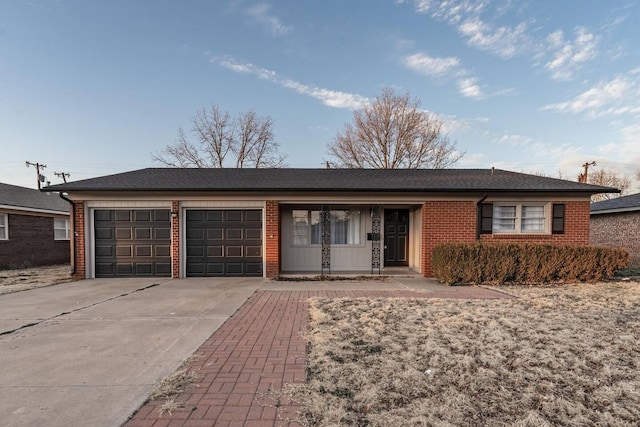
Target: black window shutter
{"type": "Point", "coordinates": [486, 218]}
{"type": "Point", "coordinates": [557, 226]}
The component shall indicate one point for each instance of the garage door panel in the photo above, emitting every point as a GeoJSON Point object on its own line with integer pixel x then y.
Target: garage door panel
{"type": "Point", "coordinates": [195, 251]}
{"type": "Point", "coordinates": [105, 269]}
{"type": "Point", "coordinates": [162, 250]}
{"type": "Point", "coordinates": [255, 216]}
{"type": "Point", "coordinates": [104, 233]}
{"type": "Point", "coordinates": [122, 216]}
{"type": "Point", "coordinates": [232, 241]}
{"type": "Point", "coordinates": [162, 233]}
{"type": "Point", "coordinates": [105, 251]}
{"type": "Point", "coordinates": [162, 269]}
{"type": "Point", "coordinates": [234, 234]}
{"type": "Point", "coordinates": [143, 233]}
{"type": "Point", "coordinates": [214, 216]}
{"type": "Point", "coordinates": [253, 251]}
{"type": "Point", "coordinates": [215, 251]}
{"type": "Point", "coordinates": [123, 233]}
{"type": "Point", "coordinates": [161, 215]}
{"type": "Point", "coordinates": [131, 243]}
{"type": "Point", "coordinates": [215, 234]}
{"type": "Point", "coordinates": [253, 233]}
{"type": "Point", "coordinates": [124, 251]}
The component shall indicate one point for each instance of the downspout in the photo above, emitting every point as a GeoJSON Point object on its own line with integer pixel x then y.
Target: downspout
{"type": "Point", "coordinates": [479, 216]}
{"type": "Point", "coordinates": [73, 227]}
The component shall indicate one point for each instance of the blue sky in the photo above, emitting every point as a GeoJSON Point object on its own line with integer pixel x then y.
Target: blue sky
{"type": "Point", "coordinates": [94, 87]}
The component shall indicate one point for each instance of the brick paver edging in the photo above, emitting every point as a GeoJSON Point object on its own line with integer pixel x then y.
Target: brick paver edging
{"type": "Point", "coordinates": [243, 365]}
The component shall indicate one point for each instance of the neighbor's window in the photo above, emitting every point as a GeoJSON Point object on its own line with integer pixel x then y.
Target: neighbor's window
{"type": "Point", "coordinates": [519, 218]}
{"type": "Point", "coordinates": [4, 227]}
{"type": "Point", "coordinates": [60, 229]}
{"type": "Point", "coordinates": [345, 227]}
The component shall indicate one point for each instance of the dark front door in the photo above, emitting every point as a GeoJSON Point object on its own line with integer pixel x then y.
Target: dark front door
{"type": "Point", "coordinates": [396, 237]}
{"type": "Point", "coordinates": [224, 242]}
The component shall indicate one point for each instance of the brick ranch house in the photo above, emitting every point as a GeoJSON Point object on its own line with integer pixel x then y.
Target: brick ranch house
{"type": "Point", "coordinates": [34, 228]}
{"type": "Point", "coordinates": [267, 222]}
{"type": "Point", "coordinates": [616, 222]}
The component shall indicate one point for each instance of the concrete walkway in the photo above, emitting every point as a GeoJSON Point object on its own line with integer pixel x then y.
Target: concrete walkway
{"type": "Point", "coordinates": [260, 348]}
{"type": "Point", "coordinates": [89, 352]}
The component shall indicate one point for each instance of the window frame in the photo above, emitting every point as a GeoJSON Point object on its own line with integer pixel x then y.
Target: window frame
{"type": "Point", "coordinates": [5, 226]}
{"type": "Point", "coordinates": [67, 229]}
{"type": "Point", "coordinates": [309, 235]}
{"type": "Point", "coordinates": [546, 228]}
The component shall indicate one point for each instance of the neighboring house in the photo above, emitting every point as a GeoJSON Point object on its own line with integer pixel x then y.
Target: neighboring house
{"type": "Point", "coordinates": [616, 222]}
{"type": "Point", "coordinates": [265, 222]}
{"type": "Point", "coordinates": [34, 228]}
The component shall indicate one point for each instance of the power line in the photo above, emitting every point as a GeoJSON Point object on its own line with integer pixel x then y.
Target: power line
{"type": "Point", "coordinates": [583, 176]}
{"type": "Point", "coordinates": [38, 166]}
{"type": "Point", "coordinates": [63, 175]}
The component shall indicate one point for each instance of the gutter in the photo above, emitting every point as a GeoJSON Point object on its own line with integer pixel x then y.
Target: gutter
{"type": "Point", "coordinates": [479, 217]}
{"type": "Point", "coordinates": [72, 238]}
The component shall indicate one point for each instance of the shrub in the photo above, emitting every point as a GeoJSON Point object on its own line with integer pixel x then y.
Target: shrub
{"type": "Point", "coordinates": [498, 263]}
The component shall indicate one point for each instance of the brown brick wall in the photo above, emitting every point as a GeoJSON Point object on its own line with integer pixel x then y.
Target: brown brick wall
{"type": "Point", "coordinates": [175, 240]}
{"type": "Point", "coordinates": [31, 243]}
{"type": "Point", "coordinates": [272, 243]}
{"type": "Point", "coordinates": [621, 230]}
{"type": "Point", "coordinates": [455, 221]}
{"type": "Point", "coordinates": [77, 230]}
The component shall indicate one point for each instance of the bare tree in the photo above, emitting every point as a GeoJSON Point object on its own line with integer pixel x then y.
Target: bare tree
{"type": "Point", "coordinates": [608, 178]}
{"type": "Point", "coordinates": [248, 138]}
{"type": "Point", "coordinates": [393, 132]}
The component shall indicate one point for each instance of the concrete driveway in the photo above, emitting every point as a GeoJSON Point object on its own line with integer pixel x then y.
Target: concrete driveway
{"type": "Point", "coordinates": [89, 352]}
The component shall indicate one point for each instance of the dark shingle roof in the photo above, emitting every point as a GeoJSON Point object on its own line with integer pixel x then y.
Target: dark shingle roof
{"type": "Point", "coordinates": [619, 204]}
{"type": "Point", "coordinates": [308, 180]}
{"type": "Point", "coordinates": [21, 197]}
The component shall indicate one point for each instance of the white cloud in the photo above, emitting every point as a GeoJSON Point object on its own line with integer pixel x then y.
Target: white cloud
{"type": "Point", "coordinates": [445, 67]}
{"type": "Point", "coordinates": [568, 56]}
{"type": "Point", "coordinates": [479, 24]}
{"type": "Point", "coordinates": [468, 87]}
{"type": "Point", "coordinates": [503, 41]}
{"type": "Point", "coordinates": [331, 98]}
{"type": "Point", "coordinates": [617, 97]}
{"type": "Point", "coordinates": [430, 66]}
{"type": "Point", "coordinates": [260, 14]}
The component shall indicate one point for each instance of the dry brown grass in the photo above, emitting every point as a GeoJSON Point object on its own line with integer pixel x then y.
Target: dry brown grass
{"type": "Point", "coordinates": [34, 277]}
{"type": "Point", "coordinates": [175, 383]}
{"type": "Point", "coordinates": [556, 356]}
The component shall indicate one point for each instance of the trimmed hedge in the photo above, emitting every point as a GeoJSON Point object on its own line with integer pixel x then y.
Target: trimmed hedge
{"type": "Point", "coordinates": [498, 263]}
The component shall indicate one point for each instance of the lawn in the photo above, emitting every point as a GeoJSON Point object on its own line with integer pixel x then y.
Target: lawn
{"type": "Point", "coordinates": [555, 356]}
{"type": "Point", "coordinates": [34, 277]}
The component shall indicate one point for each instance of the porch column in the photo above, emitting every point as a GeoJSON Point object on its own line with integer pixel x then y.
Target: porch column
{"type": "Point", "coordinates": [272, 238]}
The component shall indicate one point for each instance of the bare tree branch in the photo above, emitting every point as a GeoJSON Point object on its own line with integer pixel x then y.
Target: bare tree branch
{"type": "Point", "coordinates": [393, 133]}
{"type": "Point", "coordinates": [608, 178]}
{"type": "Point", "coordinates": [248, 138]}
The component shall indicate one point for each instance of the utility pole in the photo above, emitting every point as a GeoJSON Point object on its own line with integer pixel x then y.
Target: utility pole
{"type": "Point", "coordinates": [63, 175]}
{"type": "Point", "coordinates": [38, 166]}
{"type": "Point", "coordinates": [583, 176]}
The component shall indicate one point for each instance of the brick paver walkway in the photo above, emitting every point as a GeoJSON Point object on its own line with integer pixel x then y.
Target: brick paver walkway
{"type": "Point", "coordinates": [250, 357]}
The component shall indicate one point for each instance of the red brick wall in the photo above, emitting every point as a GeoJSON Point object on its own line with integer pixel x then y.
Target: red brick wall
{"type": "Point", "coordinates": [621, 230]}
{"type": "Point", "coordinates": [272, 243]}
{"type": "Point", "coordinates": [455, 221]}
{"type": "Point", "coordinates": [78, 232]}
{"type": "Point", "coordinates": [175, 240]}
{"type": "Point", "coordinates": [445, 222]}
{"type": "Point", "coordinates": [31, 243]}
